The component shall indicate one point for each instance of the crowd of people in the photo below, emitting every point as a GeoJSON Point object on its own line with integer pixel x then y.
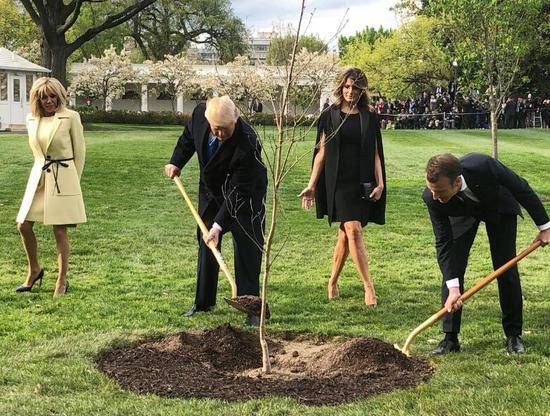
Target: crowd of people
{"type": "Point", "coordinates": [446, 109]}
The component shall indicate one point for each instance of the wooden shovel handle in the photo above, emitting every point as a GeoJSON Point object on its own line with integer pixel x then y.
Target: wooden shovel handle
{"type": "Point", "coordinates": [204, 231]}
{"type": "Point", "coordinates": [470, 292]}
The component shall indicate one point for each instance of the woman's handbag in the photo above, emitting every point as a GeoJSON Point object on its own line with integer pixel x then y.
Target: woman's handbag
{"type": "Point", "coordinates": [366, 190]}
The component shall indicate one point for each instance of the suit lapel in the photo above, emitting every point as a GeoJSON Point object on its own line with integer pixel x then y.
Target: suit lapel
{"type": "Point", "coordinates": [32, 125]}
{"type": "Point", "coordinates": [204, 135]}
{"type": "Point", "coordinates": [473, 185]}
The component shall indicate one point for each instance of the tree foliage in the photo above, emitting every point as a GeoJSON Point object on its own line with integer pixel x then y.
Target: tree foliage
{"type": "Point", "coordinates": [405, 63]}
{"type": "Point", "coordinates": [56, 18]}
{"type": "Point", "coordinates": [368, 35]}
{"type": "Point", "coordinates": [17, 30]}
{"type": "Point", "coordinates": [489, 38]}
{"type": "Point", "coordinates": [168, 27]}
{"type": "Point", "coordinates": [280, 48]}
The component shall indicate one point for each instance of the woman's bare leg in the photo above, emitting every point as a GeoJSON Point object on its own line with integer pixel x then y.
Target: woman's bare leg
{"type": "Point", "coordinates": [63, 247]}
{"type": "Point", "coordinates": [354, 233]}
{"type": "Point", "coordinates": [341, 251]}
{"type": "Point", "coordinates": [31, 250]}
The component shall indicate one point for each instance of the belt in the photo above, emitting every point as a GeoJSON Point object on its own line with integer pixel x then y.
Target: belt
{"type": "Point", "coordinates": [56, 163]}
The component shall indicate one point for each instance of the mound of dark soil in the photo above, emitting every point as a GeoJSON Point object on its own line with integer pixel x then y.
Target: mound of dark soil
{"type": "Point", "coordinates": [225, 363]}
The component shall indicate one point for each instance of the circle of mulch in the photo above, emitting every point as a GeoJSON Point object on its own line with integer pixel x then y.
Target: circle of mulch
{"type": "Point", "coordinates": [225, 363]}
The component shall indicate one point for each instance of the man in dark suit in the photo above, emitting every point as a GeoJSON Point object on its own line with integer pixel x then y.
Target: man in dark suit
{"type": "Point", "coordinates": [459, 194]}
{"type": "Point", "coordinates": [232, 188]}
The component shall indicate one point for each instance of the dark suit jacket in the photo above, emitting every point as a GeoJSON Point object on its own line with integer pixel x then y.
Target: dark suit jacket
{"type": "Point", "coordinates": [371, 139]}
{"type": "Point", "coordinates": [498, 189]}
{"type": "Point", "coordinates": [234, 179]}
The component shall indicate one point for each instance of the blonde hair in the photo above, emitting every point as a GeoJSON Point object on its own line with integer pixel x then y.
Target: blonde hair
{"type": "Point", "coordinates": [221, 111]}
{"type": "Point", "coordinates": [46, 86]}
{"type": "Point", "coordinates": [359, 80]}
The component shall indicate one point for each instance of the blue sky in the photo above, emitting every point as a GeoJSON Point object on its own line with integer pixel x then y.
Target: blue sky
{"type": "Point", "coordinates": [262, 15]}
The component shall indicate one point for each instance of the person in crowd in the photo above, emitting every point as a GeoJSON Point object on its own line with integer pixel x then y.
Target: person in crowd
{"type": "Point", "coordinates": [459, 194]}
{"type": "Point", "coordinates": [545, 113]}
{"type": "Point", "coordinates": [510, 113]}
{"type": "Point", "coordinates": [348, 176]}
{"type": "Point", "coordinates": [53, 195]}
{"type": "Point", "coordinates": [232, 189]}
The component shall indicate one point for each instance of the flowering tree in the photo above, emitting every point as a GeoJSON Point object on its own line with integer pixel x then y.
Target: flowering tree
{"type": "Point", "coordinates": [244, 83]}
{"type": "Point", "coordinates": [173, 76]}
{"type": "Point", "coordinates": [31, 52]}
{"type": "Point", "coordinates": [104, 78]}
{"type": "Point", "coordinates": [312, 73]}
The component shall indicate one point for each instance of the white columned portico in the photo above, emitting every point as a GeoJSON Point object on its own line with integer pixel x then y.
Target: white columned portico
{"type": "Point", "coordinates": [179, 104]}
{"type": "Point", "coordinates": [144, 98]}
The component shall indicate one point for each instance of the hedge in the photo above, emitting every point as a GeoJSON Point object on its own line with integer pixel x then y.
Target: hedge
{"type": "Point", "coordinates": [133, 117]}
{"type": "Point", "coordinates": [165, 117]}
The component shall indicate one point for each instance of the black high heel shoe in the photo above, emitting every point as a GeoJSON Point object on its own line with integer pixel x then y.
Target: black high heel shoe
{"type": "Point", "coordinates": [24, 288]}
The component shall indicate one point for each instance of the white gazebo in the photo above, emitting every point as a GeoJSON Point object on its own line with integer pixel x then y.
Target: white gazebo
{"type": "Point", "coordinates": [16, 78]}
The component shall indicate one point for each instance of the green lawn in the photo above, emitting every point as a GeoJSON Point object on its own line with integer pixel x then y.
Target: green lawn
{"type": "Point", "coordinates": [132, 275]}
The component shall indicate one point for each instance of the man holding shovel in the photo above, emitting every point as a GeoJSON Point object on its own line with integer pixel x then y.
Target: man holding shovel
{"type": "Point", "coordinates": [232, 188]}
{"type": "Point", "coordinates": [459, 194]}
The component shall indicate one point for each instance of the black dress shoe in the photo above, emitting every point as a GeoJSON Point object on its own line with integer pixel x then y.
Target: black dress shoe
{"type": "Point", "coordinates": [252, 320]}
{"type": "Point", "coordinates": [24, 288]}
{"type": "Point", "coordinates": [194, 309]}
{"type": "Point", "coordinates": [446, 346]}
{"type": "Point", "coordinates": [514, 345]}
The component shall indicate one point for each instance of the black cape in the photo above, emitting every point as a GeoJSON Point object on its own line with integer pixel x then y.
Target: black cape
{"type": "Point", "coordinates": [326, 184]}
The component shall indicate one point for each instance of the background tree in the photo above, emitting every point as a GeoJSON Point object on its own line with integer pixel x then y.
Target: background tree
{"type": "Point", "coordinates": [313, 72]}
{"type": "Point", "coordinates": [405, 63]}
{"type": "Point", "coordinates": [173, 76]}
{"type": "Point", "coordinates": [245, 83]}
{"type": "Point", "coordinates": [55, 18]}
{"type": "Point", "coordinates": [92, 16]}
{"type": "Point", "coordinates": [368, 35]}
{"type": "Point", "coordinates": [282, 43]}
{"type": "Point", "coordinates": [16, 27]}
{"type": "Point", "coordinates": [490, 39]}
{"type": "Point", "coordinates": [104, 78]}
{"type": "Point", "coordinates": [535, 65]}
{"type": "Point", "coordinates": [168, 27]}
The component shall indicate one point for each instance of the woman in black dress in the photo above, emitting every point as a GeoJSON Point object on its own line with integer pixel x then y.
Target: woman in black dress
{"type": "Point", "coordinates": [348, 175]}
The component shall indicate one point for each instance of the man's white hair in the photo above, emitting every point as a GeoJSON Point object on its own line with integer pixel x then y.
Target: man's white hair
{"type": "Point", "coordinates": [221, 111]}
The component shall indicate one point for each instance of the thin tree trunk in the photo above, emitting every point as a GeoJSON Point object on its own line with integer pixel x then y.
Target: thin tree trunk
{"type": "Point", "coordinates": [493, 105]}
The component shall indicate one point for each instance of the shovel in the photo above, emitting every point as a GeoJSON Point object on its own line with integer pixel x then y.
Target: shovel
{"type": "Point", "coordinates": [466, 295]}
{"type": "Point", "coordinates": [248, 304]}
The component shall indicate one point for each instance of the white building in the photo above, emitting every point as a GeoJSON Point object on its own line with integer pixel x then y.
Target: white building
{"type": "Point", "coordinates": [141, 96]}
{"type": "Point", "coordinates": [16, 78]}
{"type": "Point", "coordinates": [259, 45]}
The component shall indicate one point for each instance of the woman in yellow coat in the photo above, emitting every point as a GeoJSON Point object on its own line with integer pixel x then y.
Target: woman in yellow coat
{"type": "Point", "coordinates": [53, 195]}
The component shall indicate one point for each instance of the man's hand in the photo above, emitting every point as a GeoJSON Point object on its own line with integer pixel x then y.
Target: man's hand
{"type": "Point", "coordinates": [453, 303]}
{"type": "Point", "coordinates": [171, 171]}
{"type": "Point", "coordinates": [544, 236]}
{"type": "Point", "coordinates": [213, 235]}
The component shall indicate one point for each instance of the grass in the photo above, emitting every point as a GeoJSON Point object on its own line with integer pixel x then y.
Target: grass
{"type": "Point", "coordinates": [133, 275]}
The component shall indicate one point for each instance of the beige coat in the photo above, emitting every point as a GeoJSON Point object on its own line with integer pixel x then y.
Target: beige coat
{"type": "Point", "coordinates": [66, 140]}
